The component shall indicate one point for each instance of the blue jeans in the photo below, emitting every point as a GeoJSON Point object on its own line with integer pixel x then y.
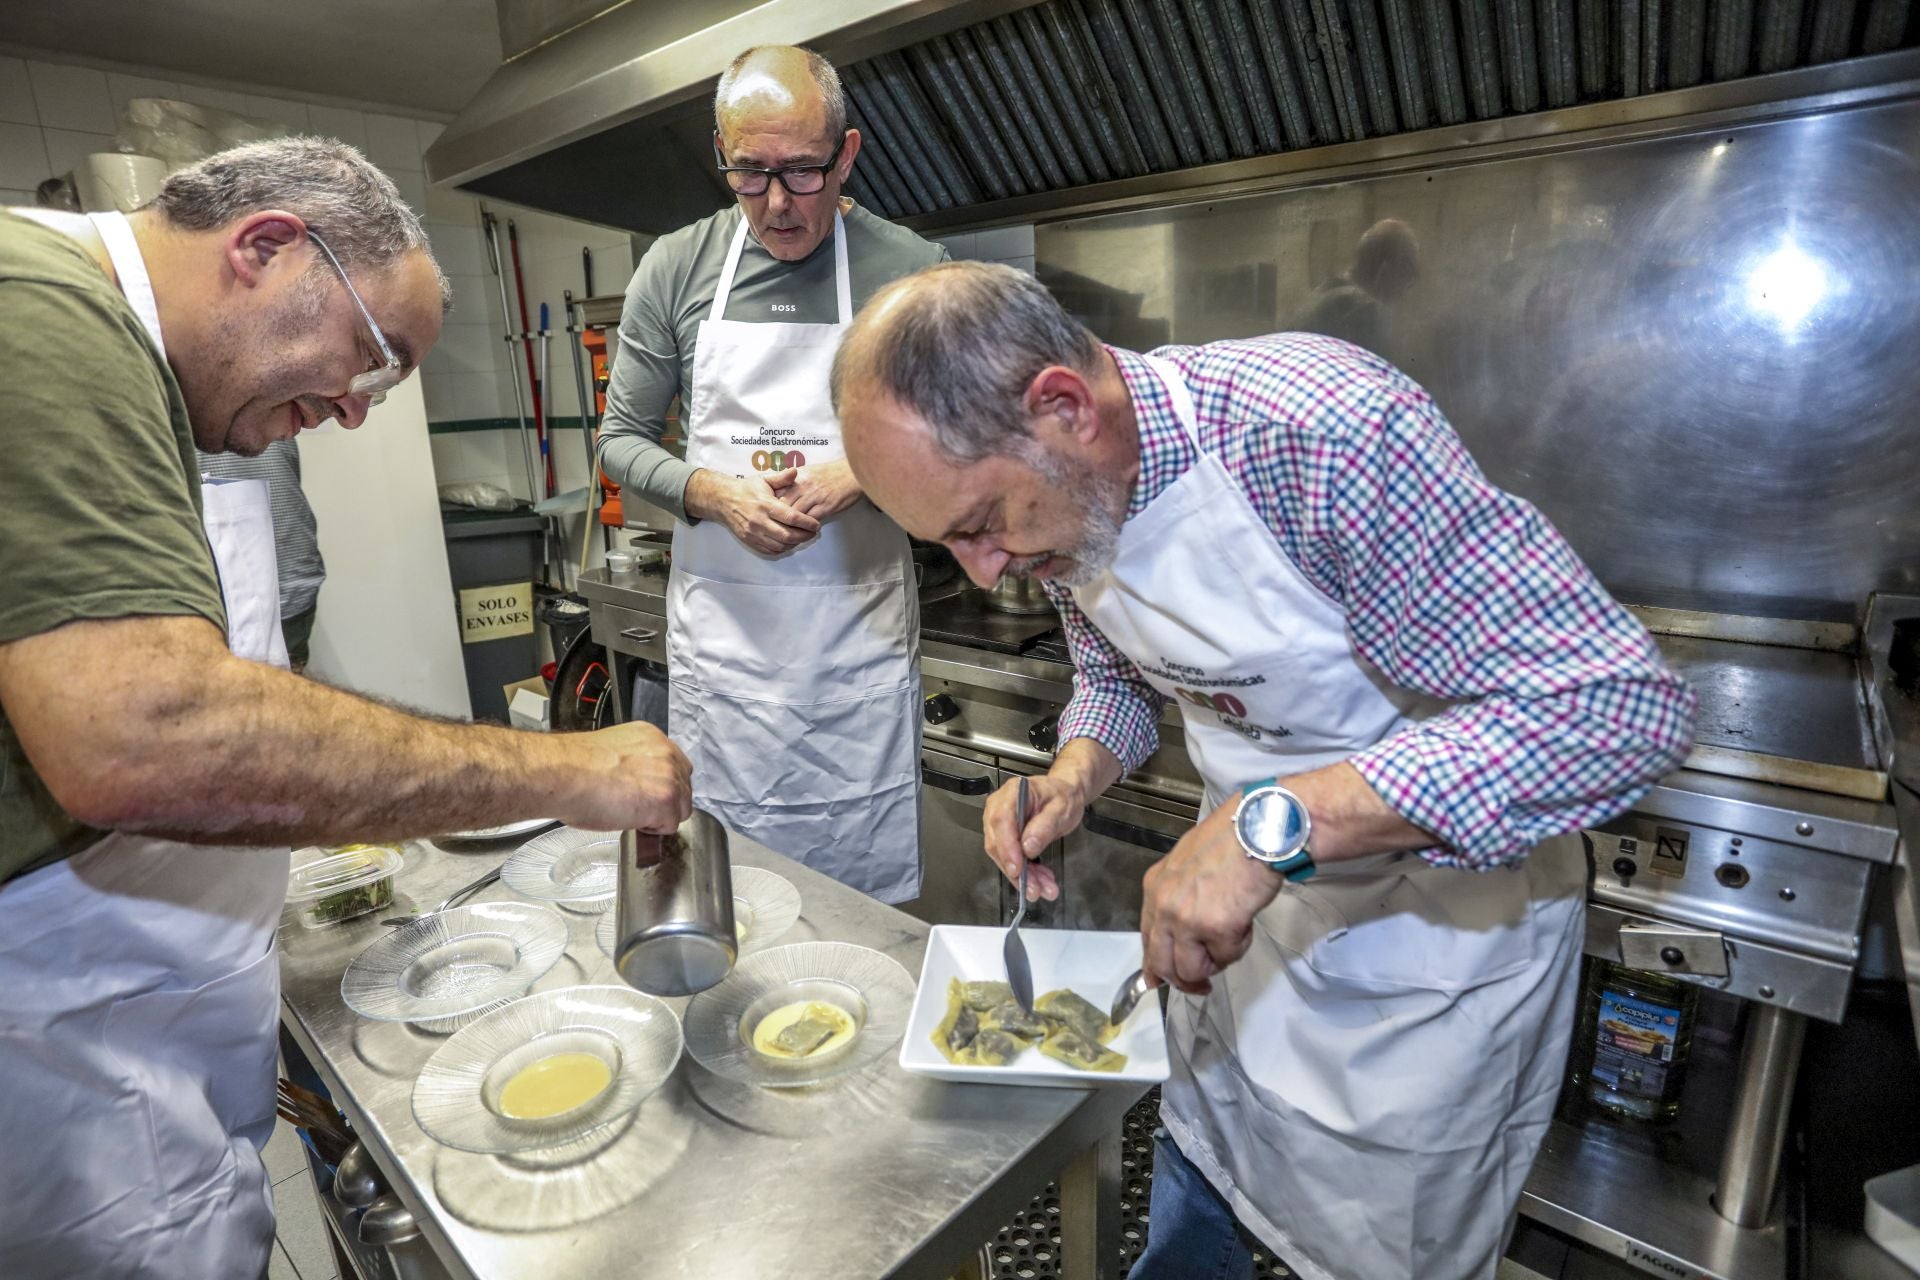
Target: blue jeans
{"type": "Point", "coordinates": [1191, 1233]}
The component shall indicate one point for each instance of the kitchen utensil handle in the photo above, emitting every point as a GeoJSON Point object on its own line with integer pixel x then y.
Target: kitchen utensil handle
{"type": "Point", "coordinates": [1128, 832]}
{"type": "Point", "coordinates": [954, 782]}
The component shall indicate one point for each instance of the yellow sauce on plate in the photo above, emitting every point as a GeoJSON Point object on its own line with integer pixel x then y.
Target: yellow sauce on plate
{"type": "Point", "coordinates": [552, 1085]}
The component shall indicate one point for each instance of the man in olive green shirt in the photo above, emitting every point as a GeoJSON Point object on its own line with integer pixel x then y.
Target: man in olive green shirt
{"type": "Point", "coordinates": [268, 289]}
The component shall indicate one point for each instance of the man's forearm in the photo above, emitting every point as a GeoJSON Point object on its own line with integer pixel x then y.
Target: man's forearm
{"type": "Point", "coordinates": [1088, 766]}
{"type": "Point", "coordinates": [280, 759]}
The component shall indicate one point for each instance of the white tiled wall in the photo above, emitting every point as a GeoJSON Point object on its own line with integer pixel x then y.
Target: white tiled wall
{"type": "Point", "coordinates": [1011, 245]}
{"type": "Point", "coordinates": [53, 113]}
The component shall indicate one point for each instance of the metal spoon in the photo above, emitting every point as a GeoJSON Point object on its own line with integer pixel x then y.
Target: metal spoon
{"type": "Point", "coordinates": [1019, 972]}
{"type": "Point", "coordinates": [453, 899]}
{"type": "Point", "coordinates": [1131, 992]}
{"type": "Point", "coordinates": [356, 1183]}
{"type": "Point", "coordinates": [387, 1222]}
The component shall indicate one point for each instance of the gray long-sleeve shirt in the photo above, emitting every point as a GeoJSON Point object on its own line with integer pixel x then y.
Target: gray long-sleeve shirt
{"type": "Point", "coordinates": [670, 293]}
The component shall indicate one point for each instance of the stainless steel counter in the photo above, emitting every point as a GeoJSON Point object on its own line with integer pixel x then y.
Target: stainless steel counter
{"type": "Point", "coordinates": [878, 1174]}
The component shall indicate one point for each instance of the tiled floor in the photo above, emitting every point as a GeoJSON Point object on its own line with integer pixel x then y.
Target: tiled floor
{"type": "Point", "coordinates": [301, 1251]}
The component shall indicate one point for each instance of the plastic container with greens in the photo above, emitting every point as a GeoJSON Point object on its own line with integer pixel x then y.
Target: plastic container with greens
{"type": "Point", "coordinates": [327, 886]}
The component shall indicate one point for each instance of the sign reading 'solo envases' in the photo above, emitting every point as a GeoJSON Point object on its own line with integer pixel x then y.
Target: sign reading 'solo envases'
{"type": "Point", "coordinates": [494, 613]}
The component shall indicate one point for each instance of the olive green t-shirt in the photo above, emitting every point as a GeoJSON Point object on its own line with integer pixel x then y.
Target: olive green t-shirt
{"type": "Point", "coordinates": [99, 489]}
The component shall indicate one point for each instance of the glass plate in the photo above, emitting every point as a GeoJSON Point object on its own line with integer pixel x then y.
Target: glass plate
{"type": "Point", "coordinates": [456, 1098]}
{"type": "Point", "coordinates": [861, 981]}
{"type": "Point", "coordinates": [454, 963]}
{"type": "Point", "coordinates": [570, 866]}
{"type": "Point", "coordinates": [767, 904]}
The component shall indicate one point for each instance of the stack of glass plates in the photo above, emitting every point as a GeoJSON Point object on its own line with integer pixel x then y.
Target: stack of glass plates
{"type": "Point", "coordinates": [441, 970]}
{"type": "Point", "coordinates": [870, 990]}
{"type": "Point", "coordinates": [547, 1071]}
{"type": "Point", "coordinates": [765, 906]}
{"type": "Point", "coordinates": [574, 868]}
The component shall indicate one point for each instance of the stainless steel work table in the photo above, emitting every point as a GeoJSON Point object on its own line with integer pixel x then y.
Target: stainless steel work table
{"type": "Point", "coordinates": [879, 1173]}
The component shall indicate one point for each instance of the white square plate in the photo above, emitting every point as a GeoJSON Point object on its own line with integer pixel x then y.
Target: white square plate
{"type": "Point", "coordinates": [1092, 964]}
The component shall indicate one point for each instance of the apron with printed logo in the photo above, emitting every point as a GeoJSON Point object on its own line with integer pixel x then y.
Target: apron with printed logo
{"type": "Point", "coordinates": [794, 679]}
{"type": "Point", "coordinates": [1369, 1084]}
{"type": "Point", "coordinates": [139, 996]}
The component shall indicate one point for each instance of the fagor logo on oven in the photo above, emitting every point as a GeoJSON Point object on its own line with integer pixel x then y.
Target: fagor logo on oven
{"type": "Point", "coordinates": [777, 459]}
{"type": "Point", "coordinates": [1220, 703]}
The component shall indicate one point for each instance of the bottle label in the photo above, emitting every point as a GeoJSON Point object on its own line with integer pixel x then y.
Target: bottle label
{"type": "Point", "coordinates": [1633, 1051]}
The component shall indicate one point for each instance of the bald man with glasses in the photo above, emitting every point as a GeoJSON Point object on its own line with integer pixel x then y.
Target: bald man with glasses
{"type": "Point", "coordinates": [793, 629]}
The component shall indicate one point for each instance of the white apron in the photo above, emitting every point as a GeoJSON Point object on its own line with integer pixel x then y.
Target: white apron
{"type": "Point", "coordinates": [139, 994]}
{"type": "Point", "coordinates": [794, 679]}
{"type": "Point", "coordinates": [1369, 1084]}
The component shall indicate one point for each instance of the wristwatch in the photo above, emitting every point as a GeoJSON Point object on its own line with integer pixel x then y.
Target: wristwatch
{"type": "Point", "coordinates": [1273, 826]}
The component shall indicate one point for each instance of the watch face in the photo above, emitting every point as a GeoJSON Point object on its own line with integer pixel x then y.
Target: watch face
{"type": "Point", "coordinates": [1273, 823]}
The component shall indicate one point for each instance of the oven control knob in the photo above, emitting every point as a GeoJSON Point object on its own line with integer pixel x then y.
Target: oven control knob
{"type": "Point", "coordinates": [1045, 734]}
{"type": "Point", "coordinates": [1674, 957]}
{"type": "Point", "coordinates": [940, 708]}
{"type": "Point", "coordinates": [1625, 868]}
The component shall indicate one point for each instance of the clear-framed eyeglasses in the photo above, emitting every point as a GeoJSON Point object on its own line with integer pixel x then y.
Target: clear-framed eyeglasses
{"type": "Point", "coordinates": [798, 179]}
{"type": "Point", "coordinates": [381, 378]}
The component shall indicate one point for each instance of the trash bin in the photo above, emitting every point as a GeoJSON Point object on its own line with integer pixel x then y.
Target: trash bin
{"type": "Point", "coordinates": [493, 557]}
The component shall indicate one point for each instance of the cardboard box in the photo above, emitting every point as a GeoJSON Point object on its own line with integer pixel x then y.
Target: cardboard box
{"type": "Point", "coordinates": [527, 703]}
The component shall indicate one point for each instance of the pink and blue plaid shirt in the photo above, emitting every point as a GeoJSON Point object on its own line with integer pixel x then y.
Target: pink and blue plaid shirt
{"type": "Point", "coordinates": [1452, 588]}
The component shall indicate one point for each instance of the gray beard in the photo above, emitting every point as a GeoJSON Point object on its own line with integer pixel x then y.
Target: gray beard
{"type": "Point", "coordinates": [1095, 498]}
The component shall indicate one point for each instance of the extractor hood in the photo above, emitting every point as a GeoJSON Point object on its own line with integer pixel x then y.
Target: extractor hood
{"type": "Point", "coordinates": [977, 109]}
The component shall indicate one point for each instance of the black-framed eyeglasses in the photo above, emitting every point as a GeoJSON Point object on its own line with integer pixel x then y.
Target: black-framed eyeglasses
{"type": "Point", "coordinates": [375, 382]}
{"type": "Point", "coordinates": [798, 179]}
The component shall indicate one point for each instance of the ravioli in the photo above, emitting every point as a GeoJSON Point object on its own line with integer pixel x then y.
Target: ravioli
{"type": "Point", "coordinates": [985, 1026]}
{"type": "Point", "coordinates": [1077, 1051]}
{"type": "Point", "coordinates": [803, 1029]}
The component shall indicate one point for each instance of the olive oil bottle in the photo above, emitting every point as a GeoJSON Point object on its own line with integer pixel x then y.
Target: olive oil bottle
{"type": "Point", "coordinates": [1630, 1051]}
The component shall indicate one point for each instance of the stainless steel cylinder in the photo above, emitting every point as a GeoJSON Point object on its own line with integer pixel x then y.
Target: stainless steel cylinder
{"type": "Point", "coordinates": [1763, 1095]}
{"type": "Point", "coordinates": [674, 909]}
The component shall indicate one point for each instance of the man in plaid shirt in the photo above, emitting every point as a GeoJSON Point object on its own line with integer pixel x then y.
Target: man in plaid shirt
{"type": "Point", "coordinates": [1403, 691]}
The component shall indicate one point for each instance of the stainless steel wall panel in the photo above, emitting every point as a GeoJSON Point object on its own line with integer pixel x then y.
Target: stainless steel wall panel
{"type": "Point", "coordinates": [1693, 351]}
{"type": "Point", "coordinates": [1077, 152]}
